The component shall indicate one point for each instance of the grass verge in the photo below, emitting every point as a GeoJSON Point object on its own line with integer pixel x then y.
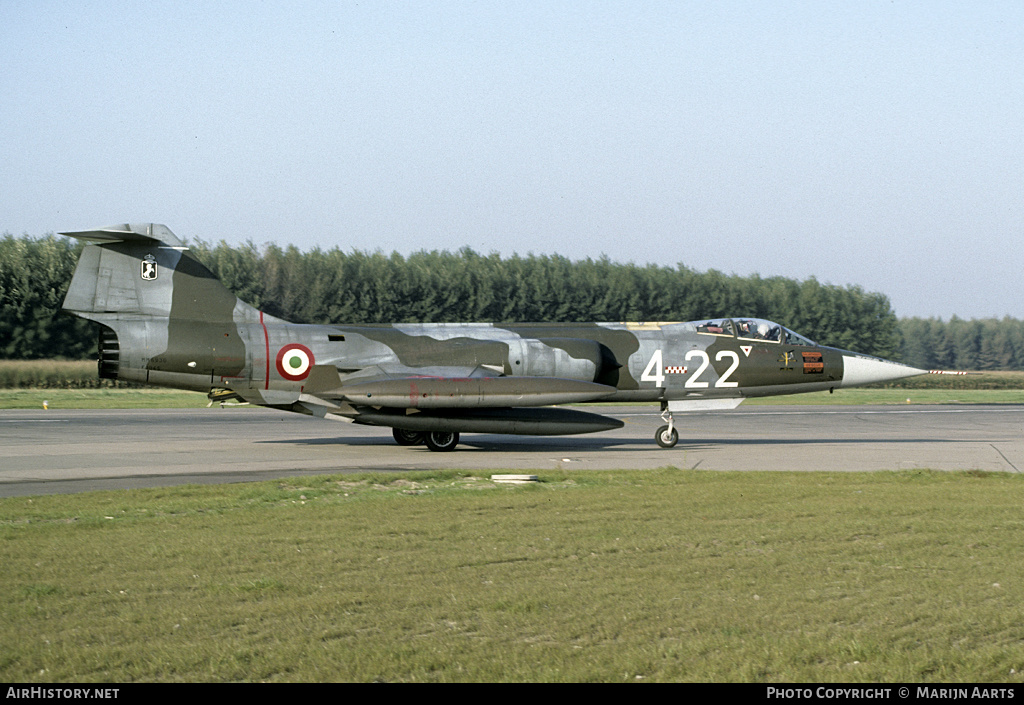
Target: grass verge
{"type": "Point", "coordinates": [64, 384]}
{"type": "Point", "coordinates": [174, 399]}
{"type": "Point", "coordinates": [149, 398]}
{"type": "Point", "coordinates": [661, 575]}
{"type": "Point", "coordinates": [870, 395]}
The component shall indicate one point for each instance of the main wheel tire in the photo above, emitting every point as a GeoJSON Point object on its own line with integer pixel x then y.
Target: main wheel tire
{"type": "Point", "coordinates": [404, 437]}
{"type": "Point", "coordinates": [666, 439]}
{"type": "Point", "coordinates": [442, 441]}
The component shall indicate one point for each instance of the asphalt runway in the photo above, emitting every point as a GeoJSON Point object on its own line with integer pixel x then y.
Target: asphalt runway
{"type": "Point", "coordinates": [50, 452]}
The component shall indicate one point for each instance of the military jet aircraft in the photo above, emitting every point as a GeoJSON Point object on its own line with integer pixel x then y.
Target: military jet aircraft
{"type": "Point", "coordinates": [166, 320]}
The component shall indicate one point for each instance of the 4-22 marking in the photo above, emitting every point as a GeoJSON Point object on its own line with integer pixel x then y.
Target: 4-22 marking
{"type": "Point", "coordinates": [655, 370]}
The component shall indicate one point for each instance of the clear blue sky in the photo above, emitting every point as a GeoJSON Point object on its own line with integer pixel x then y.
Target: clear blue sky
{"type": "Point", "coordinates": [879, 144]}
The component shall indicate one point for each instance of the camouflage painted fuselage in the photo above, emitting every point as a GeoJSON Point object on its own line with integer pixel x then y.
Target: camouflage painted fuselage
{"type": "Point", "coordinates": [168, 321]}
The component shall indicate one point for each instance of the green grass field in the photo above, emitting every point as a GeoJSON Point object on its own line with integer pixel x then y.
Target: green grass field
{"type": "Point", "coordinates": [173, 399]}
{"type": "Point", "coordinates": [870, 395]}
{"type": "Point", "coordinates": [100, 399]}
{"type": "Point", "coordinates": [631, 576]}
{"type": "Point", "coordinates": [73, 384]}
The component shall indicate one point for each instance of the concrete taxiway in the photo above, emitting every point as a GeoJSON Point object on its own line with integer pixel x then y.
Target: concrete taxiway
{"type": "Point", "coordinates": [47, 452]}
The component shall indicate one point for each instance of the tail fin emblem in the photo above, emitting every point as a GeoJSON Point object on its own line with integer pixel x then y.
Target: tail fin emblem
{"type": "Point", "coordinates": [149, 268]}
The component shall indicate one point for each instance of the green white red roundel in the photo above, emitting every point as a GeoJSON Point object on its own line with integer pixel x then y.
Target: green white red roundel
{"type": "Point", "coordinates": [294, 362]}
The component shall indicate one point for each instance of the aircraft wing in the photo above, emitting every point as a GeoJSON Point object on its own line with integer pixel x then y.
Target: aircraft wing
{"type": "Point", "coordinates": [448, 388]}
{"type": "Point", "coordinates": [448, 399]}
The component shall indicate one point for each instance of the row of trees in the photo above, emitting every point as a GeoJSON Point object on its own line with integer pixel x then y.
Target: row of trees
{"type": "Point", "coordinates": [334, 286]}
{"type": "Point", "coordinates": [34, 276]}
{"type": "Point", "coordinates": [957, 344]}
{"type": "Point", "coordinates": [361, 287]}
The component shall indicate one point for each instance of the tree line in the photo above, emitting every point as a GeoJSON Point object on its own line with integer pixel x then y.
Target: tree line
{"type": "Point", "coordinates": [335, 286]}
{"type": "Point", "coordinates": [987, 344]}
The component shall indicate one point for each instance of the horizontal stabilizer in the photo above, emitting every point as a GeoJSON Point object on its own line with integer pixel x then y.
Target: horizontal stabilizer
{"type": "Point", "coordinates": [129, 232]}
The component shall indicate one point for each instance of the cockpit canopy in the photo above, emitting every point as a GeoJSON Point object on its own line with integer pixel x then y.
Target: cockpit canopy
{"type": "Point", "coordinates": [751, 329]}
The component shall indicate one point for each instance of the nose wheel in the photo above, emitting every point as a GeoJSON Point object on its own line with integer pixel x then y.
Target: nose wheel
{"type": "Point", "coordinates": [667, 436]}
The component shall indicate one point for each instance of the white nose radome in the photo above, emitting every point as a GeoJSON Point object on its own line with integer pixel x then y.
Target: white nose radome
{"type": "Point", "coordinates": [858, 369]}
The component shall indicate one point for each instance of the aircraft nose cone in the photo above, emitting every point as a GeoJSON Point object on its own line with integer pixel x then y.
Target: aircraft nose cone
{"type": "Point", "coordinates": [859, 369]}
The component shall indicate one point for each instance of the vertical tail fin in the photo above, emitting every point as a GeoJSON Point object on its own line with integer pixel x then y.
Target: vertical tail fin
{"type": "Point", "coordinates": [167, 319]}
{"type": "Point", "coordinates": [144, 270]}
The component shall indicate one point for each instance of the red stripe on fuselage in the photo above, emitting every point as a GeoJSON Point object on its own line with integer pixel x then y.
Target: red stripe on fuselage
{"type": "Point", "coordinates": [266, 342]}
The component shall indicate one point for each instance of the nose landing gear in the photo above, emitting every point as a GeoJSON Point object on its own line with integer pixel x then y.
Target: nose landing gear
{"type": "Point", "coordinates": [666, 436]}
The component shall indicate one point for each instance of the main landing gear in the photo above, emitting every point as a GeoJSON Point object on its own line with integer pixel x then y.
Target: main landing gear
{"type": "Point", "coordinates": [442, 441]}
{"type": "Point", "coordinates": [408, 438]}
{"type": "Point", "coordinates": [438, 441]}
{"type": "Point", "coordinates": [666, 436]}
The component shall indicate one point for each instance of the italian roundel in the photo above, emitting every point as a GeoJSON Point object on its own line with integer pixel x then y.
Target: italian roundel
{"type": "Point", "coordinates": [294, 362]}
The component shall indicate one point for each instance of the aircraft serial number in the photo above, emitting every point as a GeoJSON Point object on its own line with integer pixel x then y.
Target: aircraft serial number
{"type": "Point", "coordinates": [655, 370]}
